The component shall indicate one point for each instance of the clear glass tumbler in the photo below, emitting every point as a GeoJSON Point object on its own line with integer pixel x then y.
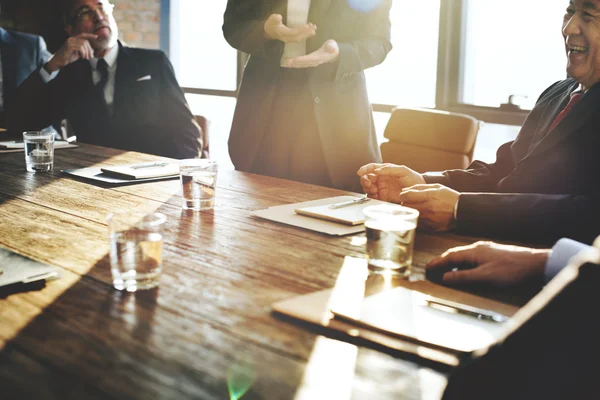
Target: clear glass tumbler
{"type": "Point", "coordinates": [136, 241]}
{"type": "Point", "coordinates": [198, 183]}
{"type": "Point", "coordinates": [39, 151]}
{"type": "Point", "coordinates": [390, 233]}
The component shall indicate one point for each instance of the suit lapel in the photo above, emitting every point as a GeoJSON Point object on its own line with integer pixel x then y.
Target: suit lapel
{"type": "Point", "coordinates": [127, 72]}
{"type": "Point", "coordinates": [571, 122]}
{"type": "Point", "coordinates": [9, 64]}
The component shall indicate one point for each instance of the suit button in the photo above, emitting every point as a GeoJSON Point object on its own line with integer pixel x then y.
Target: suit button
{"type": "Point", "coordinates": [317, 100]}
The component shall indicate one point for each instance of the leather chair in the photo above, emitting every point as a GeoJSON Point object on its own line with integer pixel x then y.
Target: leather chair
{"type": "Point", "coordinates": [204, 124]}
{"type": "Point", "coordinates": [429, 140]}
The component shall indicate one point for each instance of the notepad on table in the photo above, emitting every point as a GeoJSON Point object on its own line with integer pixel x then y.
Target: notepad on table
{"type": "Point", "coordinates": [143, 170]}
{"type": "Point", "coordinates": [346, 213]}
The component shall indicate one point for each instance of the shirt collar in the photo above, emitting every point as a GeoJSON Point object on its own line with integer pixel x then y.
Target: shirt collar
{"type": "Point", "coordinates": [110, 57]}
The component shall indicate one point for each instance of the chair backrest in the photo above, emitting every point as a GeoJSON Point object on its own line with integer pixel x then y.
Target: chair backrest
{"type": "Point", "coordinates": [204, 124]}
{"type": "Point", "coordinates": [429, 140]}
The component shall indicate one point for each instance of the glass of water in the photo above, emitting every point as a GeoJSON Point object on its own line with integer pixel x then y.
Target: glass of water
{"type": "Point", "coordinates": [390, 233]}
{"type": "Point", "coordinates": [39, 151]}
{"type": "Point", "coordinates": [198, 183]}
{"type": "Point", "coordinates": [136, 241]}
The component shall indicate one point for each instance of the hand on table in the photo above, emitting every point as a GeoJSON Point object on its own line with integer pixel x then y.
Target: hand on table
{"type": "Point", "coordinates": [435, 203]}
{"type": "Point", "coordinates": [386, 181]}
{"type": "Point", "coordinates": [496, 264]}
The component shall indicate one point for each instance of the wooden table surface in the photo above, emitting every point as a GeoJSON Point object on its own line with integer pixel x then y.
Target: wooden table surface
{"type": "Point", "coordinates": [208, 329]}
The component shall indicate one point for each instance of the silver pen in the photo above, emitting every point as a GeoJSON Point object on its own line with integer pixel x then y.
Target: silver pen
{"type": "Point", "coordinates": [152, 165]}
{"type": "Point", "coordinates": [358, 200]}
{"type": "Point", "coordinates": [479, 313]}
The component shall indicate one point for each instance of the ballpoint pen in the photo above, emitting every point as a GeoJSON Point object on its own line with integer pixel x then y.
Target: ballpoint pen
{"type": "Point", "coordinates": [358, 200]}
{"type": "Point", "coordinates": [450, 306]}
{"type": "Point", "coordinates": [152, 165]}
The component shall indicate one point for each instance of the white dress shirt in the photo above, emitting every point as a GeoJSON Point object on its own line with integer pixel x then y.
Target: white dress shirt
{"type": "Point", "coordinates": [109, 90]}
{"type": "Point", "coordinates": [297, 14]}
{"type": "Point", "coordinates": [560, 255]}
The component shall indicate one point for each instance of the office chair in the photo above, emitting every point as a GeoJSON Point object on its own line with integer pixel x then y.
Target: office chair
{"type": "Point", "coordinates": [429, 140]}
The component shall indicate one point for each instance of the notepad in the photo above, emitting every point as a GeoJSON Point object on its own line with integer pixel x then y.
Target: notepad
{"type": "Point", "coordinates": [17, 269]}
{"type": "Point", "coordinates": [143, 171]}
{"type": "Point", "coordinates": [403, 313]}
{"type": "Point", "coordinates": [348, 215]}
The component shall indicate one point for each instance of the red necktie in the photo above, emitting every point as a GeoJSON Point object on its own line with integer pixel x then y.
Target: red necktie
{"type": "Point", "coordinates": [575, 98]}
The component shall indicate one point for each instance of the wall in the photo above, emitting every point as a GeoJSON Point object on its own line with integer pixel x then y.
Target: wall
{"type": "Point", "coordinates": [139, 22]}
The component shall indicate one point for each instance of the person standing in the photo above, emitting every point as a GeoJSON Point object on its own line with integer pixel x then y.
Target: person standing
{"type": "Point", "coordinates": [303, 111]}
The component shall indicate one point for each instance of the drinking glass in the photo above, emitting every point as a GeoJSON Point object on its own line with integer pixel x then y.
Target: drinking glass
{"type": "Point", "coordinates": [198, 183]}
{"type": "Point", "coordinates": [39, 151]}
{"type": "Point", "coordinates": [136, 241]}
{"type": "Point", "coordinates": [390, 233]}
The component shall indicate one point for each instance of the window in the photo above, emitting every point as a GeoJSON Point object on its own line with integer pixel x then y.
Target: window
{"type": "Point", "coordinates": [512, 47]}
{"type": "Point", "coordinates": [200, 55]}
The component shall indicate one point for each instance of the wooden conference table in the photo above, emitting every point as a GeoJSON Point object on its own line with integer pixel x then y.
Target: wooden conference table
{"type": "Point", "coordinates": [209, 325]}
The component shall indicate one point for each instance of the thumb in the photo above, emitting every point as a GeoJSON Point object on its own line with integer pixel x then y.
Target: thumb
{"type": "Point", "coordinates": [331, 46]}
{"type": "Point", "coordinates": [276, 19]}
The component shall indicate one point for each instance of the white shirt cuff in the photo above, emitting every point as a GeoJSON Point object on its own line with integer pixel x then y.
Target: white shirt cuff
{"type": "Point", "coordinates": [560, 255]}
{"type": "Point", "coordinates": [47, 76]}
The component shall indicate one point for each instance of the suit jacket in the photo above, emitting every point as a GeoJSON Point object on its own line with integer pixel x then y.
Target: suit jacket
{"type": "Point", "coordinates": [150, 114]}
{"type": "Point", "coordinates": [543, 185]}
{"type": "Point", "coordinates": [341, 106]}
{"type": "Point", "coordinates": [21, 55]}
{"type": "Point", "coordinates": [552, 351]}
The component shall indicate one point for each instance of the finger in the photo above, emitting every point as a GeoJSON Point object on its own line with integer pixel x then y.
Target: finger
{"type": "Point", "coordinates": [456, 255]}
{"type": "Point", "coordinates": [368, 169]}
{"type": "Point", "coordinates": [391, 169]}
{"type": "Point", "coordinates": [87, 36]}
{"type": "Point", "coordinates": [424, 186]}
{"type": "Point", "coordinates": [412, 196]}
{"type": "Point", "coordinates": [481, 274]}
{"type": "Point", "coordinates": [365, 182]}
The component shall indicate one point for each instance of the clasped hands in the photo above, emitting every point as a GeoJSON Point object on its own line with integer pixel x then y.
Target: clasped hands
{"type": "Point", "coordinates": [276, 30]}
{"type": "Point", "coordinates": [402, 185]}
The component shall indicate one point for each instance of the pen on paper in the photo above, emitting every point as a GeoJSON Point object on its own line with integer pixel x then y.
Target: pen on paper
{"type": "Point", "coordinates": [71, 139]}
{"type": "Point", "coordinates": [457, 308]}
{"type": "Point", "coordinates": [153, 165]}
{"type": "Point", "coordinates": [358, 200]}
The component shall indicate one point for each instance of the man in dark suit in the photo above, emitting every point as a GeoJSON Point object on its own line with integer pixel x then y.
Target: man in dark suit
{"type": "Point", "coordinates": [21, 54]}
{"type": "Point", "coordinates": [545, 184]}
{"type": "Point", "coordinates": [112, 95]}
{"type": "Point", "coordinates": [552, 344]}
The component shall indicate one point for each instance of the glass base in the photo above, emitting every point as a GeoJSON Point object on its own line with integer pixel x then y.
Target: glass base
{"type": "Point", "coordinates": [137, 282]}
{"type": "Point", "coordinates": [389, 267]}
{"type": "Point", "coordinates": [198, 204]}
{"type": "Point", "coordinates": [46, 167]}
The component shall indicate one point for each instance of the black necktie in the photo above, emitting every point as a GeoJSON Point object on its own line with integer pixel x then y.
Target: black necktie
{"type": "Point", "coordinates": [102, 67]}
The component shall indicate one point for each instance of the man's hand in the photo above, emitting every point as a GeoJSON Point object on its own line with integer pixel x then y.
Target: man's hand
{"type": "Point", "coordinates": [435, 204]}
{"type": "Point", "coordinates": [73, 49]}
{"type": "Point", "coordinates": [386, 181]}
{"type": "Point", "coordinates": [497, 264]}
{"type": "Point", "coordinates": [327, 53]}
{"type": "Point", "coordinates": [276, 30]}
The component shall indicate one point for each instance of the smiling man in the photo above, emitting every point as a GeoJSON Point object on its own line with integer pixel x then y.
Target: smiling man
{"type": "Point", "coordinates": [546, 183]}
{"type": "Point", "coordinates": [112, 95]}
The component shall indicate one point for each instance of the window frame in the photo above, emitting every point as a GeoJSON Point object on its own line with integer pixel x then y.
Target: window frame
{"type": "Point", "coordinates": [450, 68]}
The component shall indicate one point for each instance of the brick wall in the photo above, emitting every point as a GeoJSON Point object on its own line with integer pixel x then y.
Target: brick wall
{"type": "Point", "coordinates": [139, 22]}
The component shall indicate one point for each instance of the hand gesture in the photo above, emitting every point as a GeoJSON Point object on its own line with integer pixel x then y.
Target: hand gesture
{"type": "Point", "coordinates": [435, 203]}
{"type": "Point", "coordinates": [497, 264]}
{"type": "Point", "coordinates": [73, 49]}
{"type": "Point", "coordinates": [327, 53]}
{"type": "Point", "coordinates": [276, 30]}
{"type": "Point", "coordinates": [386, 181]}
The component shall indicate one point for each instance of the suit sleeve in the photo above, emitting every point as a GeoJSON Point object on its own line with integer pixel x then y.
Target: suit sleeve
{"type": "Point", "coordinates": [243, 28]}
{"type": "Point", "coordinates": [37, 104]}
{"type": "Point", "coordinates": [185, 140]}
{"type": "Point", "coordinates": [541, 218]}
{"type": "Point", "coordinates": [372, 45]}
